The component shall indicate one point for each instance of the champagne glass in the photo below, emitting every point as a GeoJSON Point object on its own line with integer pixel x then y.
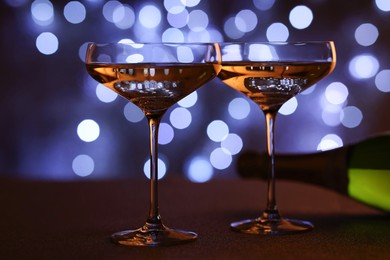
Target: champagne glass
{"type": "Point", "coordinates": [270, 73]}
{"type": "Point", "coordinates": [153, 76]}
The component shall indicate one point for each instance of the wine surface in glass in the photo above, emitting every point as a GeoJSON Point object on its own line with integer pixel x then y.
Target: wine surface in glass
{"type": "Point", "coordinates": [271, 84]}
{"type": "Point", "coordinates": [152, 87]}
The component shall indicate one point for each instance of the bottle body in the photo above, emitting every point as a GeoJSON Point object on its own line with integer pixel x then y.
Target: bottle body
{"type": "Point", "coordinates": [360, 171]}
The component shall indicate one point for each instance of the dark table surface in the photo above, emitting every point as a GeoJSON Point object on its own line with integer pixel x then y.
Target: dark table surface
{"type": "Point", "coordinates": [73, 220]}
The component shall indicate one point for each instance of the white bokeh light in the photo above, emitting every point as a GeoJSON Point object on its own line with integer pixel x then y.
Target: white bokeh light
{"type": "Point", "coordinates": [217, 130]}
{"type": "Point", "coordinates": [231, 29]}
{"type": "Point", "coordinates": [174, 6]}
{"type": "Point", "coordinates": [133, 113]}
{"type": "Point", "coordinates": [42, 12]}
{"type": "Point", "coordinates": [198, 20]}
{"type": "Point", "coordinates": [180, 118]}
{"type": "Point", "coordinates": [149, 16]}
{"type": "Point", "coordinates": [162, 168]}
{"type": "Point", "coordinates": [178, 20]}
{"type": "Point", "coordinates": [366, 34]}
{"type": "Point", "coordinates": [382, 81]}
{"type": "Point", "coordinates": [239, 108]}
{"type": "Point", "coordinates": [383, 5]}
{"type": "Point", "coordinates": [220, 158]}
{"type": "Point", "coordinates": [246, 20]}
{"type": "Point", "coordinates": [301, 17]}
{"type": "Point", "coordinates": [108, 10]}
{"type": "Point", "coordinates": [289, 107]}
{"type": "Point", "coordinates": [263, 5]}
{"type": "Point", "coordinates": [329, 142]}
{"type": "Point", "coordinates": [199, 170]}
{"type": "Point", "coordinates": [336, 93]}
{"type": "Point", "coordinates": [83, 165]}
{"type": "Point", "coordinates": [165, 134]}
{"type": "Point", "coordinates": [277, 32]}
{"type": "Point", "coordinates": [363, 66]}
{"type": "Point", "coordinates": [47, 43]}
{"type": "Point", "coordinates": [74, 12]}
{"type": "Point", "coordinates": [105, 94]}
{"type": "Point", "coordinates": [232, 143]}
{"type": "Point", "coordinates": [123, 17]}
{"type": "Point", "coordinates": [351, 117]}
{"type": "Point", "coordinates": [189, 100]}
{"type": "Point", "coordinates": [88, 130]}
{"type": "Point", "coordinates": [190, 3]}
{"type": "Point", "coordinates": [172, 35]}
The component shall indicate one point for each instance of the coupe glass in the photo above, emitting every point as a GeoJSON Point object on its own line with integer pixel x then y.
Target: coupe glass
{"type": "Point", "coordinates": [153, 77]}
{"type": "Point", "coordinates": [270, 73]}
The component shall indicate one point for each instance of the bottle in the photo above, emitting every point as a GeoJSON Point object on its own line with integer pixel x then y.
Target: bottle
{"type": "Point", "coordinates": [360, 171]}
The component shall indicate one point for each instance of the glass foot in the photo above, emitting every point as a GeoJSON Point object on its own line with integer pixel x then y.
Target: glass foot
{"type": "Point", "coordinates": [261, 226]}
{"type": "Point", "coordinates": [153, 235]}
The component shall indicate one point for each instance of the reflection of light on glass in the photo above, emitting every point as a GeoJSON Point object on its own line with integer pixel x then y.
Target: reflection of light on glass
{"type": "Point", "coordinates": [363, 66]}
{"type": "Point", "coordinates": [162, 168]}
{"type": "Point", "coordinates": [149, 16]}
{"type": "Point", "coordinates": [42, 12]}
{"type": "Point", "coordinates": [88, 130]}
{"type": "Point", "coordinates": [198, 20]}
{"type": "Point", "coordinates": [178, 20]}
{"type": "Point", "coordinates": [382, 81]}
{"type": "Point", "coordinates": [135, 58]}
{"type": "Point", "coordinates": [189, 100]}
{"type": "Point", "coordinates": [123, 16]}
{"type": "Point", "coordinates": [263, 5]}
{"type": "Point", "coordinates": [83, 165]}
{"type": "Point", "coordinates": [261, 52]}
{"type": "Point", "coordinates": [165, 134]}
{"type": "Point", "coordinates": [277, 32]}
{"type": "Point", "coordinates": [239, 108]}
{"type": "Point", "coordinates": [351, 116]}
{"type": "Point", "coordinates": [172, 35]}
{"type": "Point", "coordinates": [105, 94]}
{"type": "Point", "coordinates": [133, 113]}
{"type": "Point", "coordinates": [199, 170]}
{"type": "Point", "coordinates": [231, 29]}
{"type": "Point", "coordinates": [336, 93]}
{"type": "Point", "coordinates": [217, 130]}
{"type": "Point", "coordinates": [246, 20]}
{"type": "Point", "coordinates": [74, 12]}
{"type": "Point", "coordinates": [47, 43]}
{"type": "Point", "coordinates": [180, 118]}
{"type": "Point", "coordinates": [301, 17]}
{"type": "Point", "coordinates": [220, 158]}
{"type": "Point", "coordinates": [289, 107]}
{"type": "Point", "coordinates": [383, 5]}
{"type": "Point", "coordinates": [184, 54]}
{"type": "Point", "coordinates": [366, 34]}
{"type": "Point", "coordinates": [232, 144]}
{"type": "Point", "coordinates": [330, 141]}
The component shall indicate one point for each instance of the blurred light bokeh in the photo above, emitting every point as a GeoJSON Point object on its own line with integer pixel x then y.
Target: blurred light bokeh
{"type": "Point", "coordinates": [58, 123]}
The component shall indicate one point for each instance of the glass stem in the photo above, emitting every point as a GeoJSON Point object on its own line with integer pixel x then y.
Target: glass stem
{"type": "Point", "coordinates": [154, 217]}
{"type": "Point", "coordinates": [271, 211]}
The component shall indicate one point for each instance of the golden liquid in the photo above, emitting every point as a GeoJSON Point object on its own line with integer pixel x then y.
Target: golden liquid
{"type": "Point", "coordinates": [153, 88]}
{"type": "Point", "coordinates": [270, 85]}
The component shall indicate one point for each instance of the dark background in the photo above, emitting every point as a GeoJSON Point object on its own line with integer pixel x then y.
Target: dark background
{"type": "Point", "coordinates": [45, 97]}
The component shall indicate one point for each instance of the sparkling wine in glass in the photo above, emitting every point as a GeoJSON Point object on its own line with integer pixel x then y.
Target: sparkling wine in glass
{"type": "Point", "coordinates": [270, 73]}
{"type": "Point", "coordinates": [153, 77]}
